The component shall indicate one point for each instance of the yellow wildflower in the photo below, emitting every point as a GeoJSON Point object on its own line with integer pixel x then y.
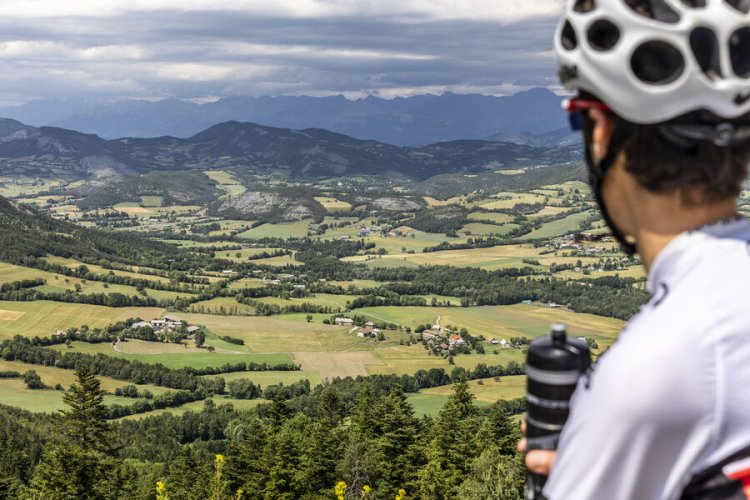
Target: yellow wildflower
{"type": "Point", "coordinates": [161, 491]}
{"type": "Point", "coordinates": [366, 489]}
{"type": "Point", "coordinates": [219, 458]}
{"type": "Point", "coordinates": [340, 490]}
{"type": "Point", "coordinates": [401, 495]}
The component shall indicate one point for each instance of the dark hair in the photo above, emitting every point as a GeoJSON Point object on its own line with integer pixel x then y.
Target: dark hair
{"type": "Point", "coordinates": [661, 166]}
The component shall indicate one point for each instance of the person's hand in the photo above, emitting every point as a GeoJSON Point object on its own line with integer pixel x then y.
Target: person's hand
{"type": "Point", "coordinates": [537, 461]}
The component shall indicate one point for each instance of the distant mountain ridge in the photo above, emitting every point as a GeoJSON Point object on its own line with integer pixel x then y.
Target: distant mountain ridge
{"type": "Point", "coordinates": [409, 121]}
{"type": "Point", "coordinates": [303, 153]}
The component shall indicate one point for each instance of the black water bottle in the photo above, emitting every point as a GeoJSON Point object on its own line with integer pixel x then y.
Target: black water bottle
{"type": "Point", "coordinates": [554, 364]}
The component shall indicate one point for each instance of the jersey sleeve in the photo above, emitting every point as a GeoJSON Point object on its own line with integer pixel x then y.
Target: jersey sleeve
{"type": "Point", "coordinates": [637, 426]}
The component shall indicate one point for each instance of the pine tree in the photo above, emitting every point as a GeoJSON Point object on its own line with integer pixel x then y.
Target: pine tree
{"type": "Point", "coordinates": [499, 430]}
{"type": "Point", "coordinates": [363, 418]}
{"type": "Point", "coordinates": [452, 448]}
{"type": "Point", "coordinates": [245, 461]}
{"type": "Point", "coordinates": [322, 448]}
{"type": "Point", "coordinates": [283, 459]}
{"type": "Point", "coordinates": [494, 475]}
{"type": "Point", "coordinates": [397, 443]}
{"type": "Point", "coordinates": [86, 420]}
{"type": "Point", "coordinates": [186, 477]}
{"type": "Point", "coordinates": [82, 467]}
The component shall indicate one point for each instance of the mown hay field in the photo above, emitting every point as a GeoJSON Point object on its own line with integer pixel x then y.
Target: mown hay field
{"type": "Point", "coordinates": [333, 205]}
{"type": "Point", "coordinates": [51, 376]}
{"type": "Point", "coordinates": [274, 335]}
{"type": "Point", "coordinates": [501, 321]}
{"type": "Point", "coordinates": [44, 318]}
{"type": "Point", "coordinates": [559, 227]}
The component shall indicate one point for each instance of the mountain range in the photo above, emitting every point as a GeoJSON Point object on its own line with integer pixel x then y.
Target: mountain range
{"type": "Point", "coordinates": [301, 153]}
{"type": "Point", "coordinates": [409, 121]}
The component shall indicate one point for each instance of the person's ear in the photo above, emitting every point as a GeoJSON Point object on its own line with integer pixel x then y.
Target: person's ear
{"type": "Point", "coordinates": [604, 126]}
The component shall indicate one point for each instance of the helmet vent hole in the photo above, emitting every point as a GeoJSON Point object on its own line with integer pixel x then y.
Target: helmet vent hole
{"type": "Point", "coordinates": [657, 63]}
{"type": "Point", "coordinates": [705, 47]}
{"type": "Point", "coordinates": [654, 9]}
{"type": "Point", "coordinates": [603, 35]}
{"type": "Point", "coordinates": [741, 5]}
{"type": "Point", "coordinates": [569, 39]}
{"type": "Point", "coordinates": [695, 4]}
{"type": "Point", "coordinates": [739, 52]}
{"type": "Point", "coordinates": [584, 6]}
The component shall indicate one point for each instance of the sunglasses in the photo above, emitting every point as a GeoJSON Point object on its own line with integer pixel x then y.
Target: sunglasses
{"type": "Point", "coordinates": [577, 107]}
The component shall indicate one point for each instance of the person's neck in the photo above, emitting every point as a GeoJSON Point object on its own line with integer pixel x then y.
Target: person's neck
{"type": "Point", "coordinates": [665, 218]}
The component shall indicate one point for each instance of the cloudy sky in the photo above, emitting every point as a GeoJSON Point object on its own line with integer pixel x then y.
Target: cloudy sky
{"type": "Point", "coordinates": [204, 49]}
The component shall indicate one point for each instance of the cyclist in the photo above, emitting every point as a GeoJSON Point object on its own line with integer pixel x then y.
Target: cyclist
{"type": "Point", "coordinates": [664, 105]}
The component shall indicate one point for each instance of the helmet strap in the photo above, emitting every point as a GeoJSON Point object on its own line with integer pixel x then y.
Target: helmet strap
{"type": "Point", "coordinates": [597, 172]}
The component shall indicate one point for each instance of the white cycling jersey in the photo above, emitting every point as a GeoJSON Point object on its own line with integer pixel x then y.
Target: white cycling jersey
{"type": "Point", "coordinates": [672, 396]}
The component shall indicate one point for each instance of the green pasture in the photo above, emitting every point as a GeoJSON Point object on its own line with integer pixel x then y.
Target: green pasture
{"type": "Point", "coordinates": [321, 299]}
{"type": "Point", "coordinates": [431, 401]}
{"type": "Point", "coordinates": [13, 392]}
{"type": "Point", "coordinates": [176, 360]}
{"type": "Point", "coordinates": [296, 229]}
{"type": "Point", "coordinates": [496, 217]}
{"type": "Point", "coordinates": [152, 201]}
{"type": "Point", "coordinates": [559, 227]}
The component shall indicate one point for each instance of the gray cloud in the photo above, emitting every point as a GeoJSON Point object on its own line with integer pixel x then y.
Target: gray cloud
{"type": "Point", "coordinates": [315, 47]}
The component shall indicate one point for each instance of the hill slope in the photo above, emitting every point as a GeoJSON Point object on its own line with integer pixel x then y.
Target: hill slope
{"type": "Point", "coordinates": [307, 153]}
{"type": "Point", "coordinates": [27, 235]}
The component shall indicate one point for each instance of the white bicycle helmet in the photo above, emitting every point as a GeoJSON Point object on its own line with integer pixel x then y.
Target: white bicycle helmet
{"type": "Point", "coordinates": [652, 61]}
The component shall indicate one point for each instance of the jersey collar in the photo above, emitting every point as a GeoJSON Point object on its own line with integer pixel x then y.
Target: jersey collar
{"type": "Point", "coordinates": [677, 250]}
